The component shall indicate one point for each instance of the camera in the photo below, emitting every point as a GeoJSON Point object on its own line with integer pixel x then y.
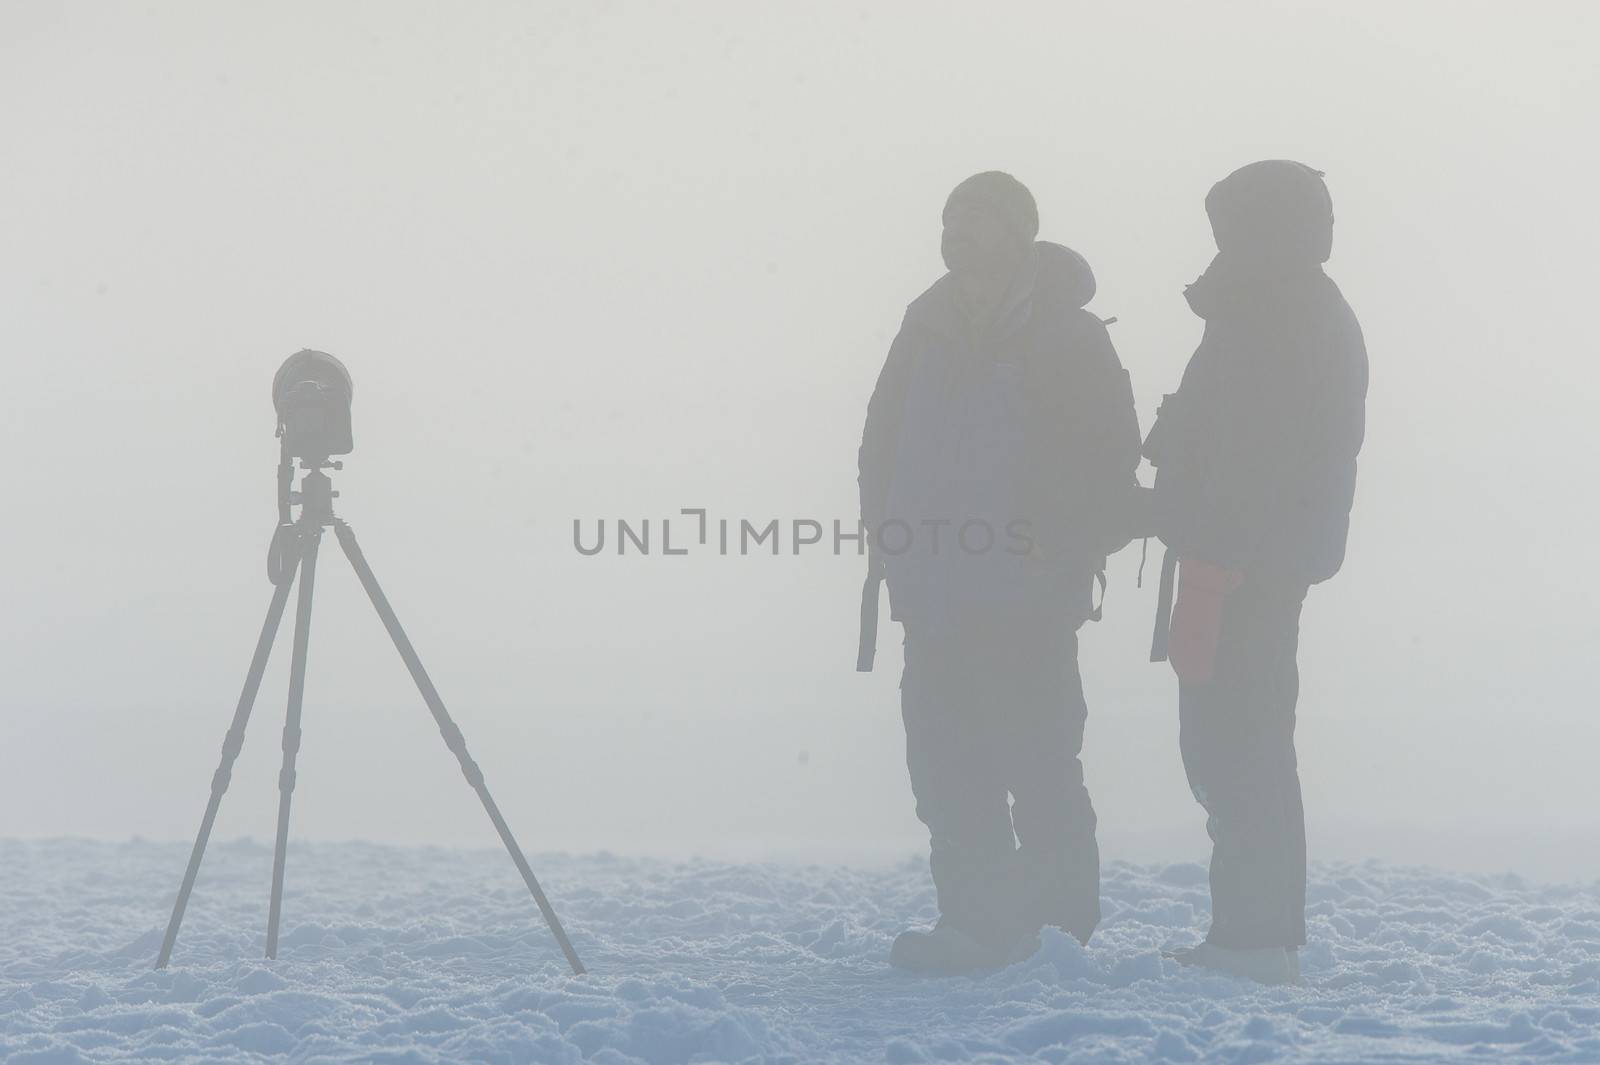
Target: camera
{"type": "Point", "coordinates": [311, 393]}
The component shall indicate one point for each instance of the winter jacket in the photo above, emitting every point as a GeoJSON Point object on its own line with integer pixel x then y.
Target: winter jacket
{"type": "Point", "coordinates": [1029, 419]}
{"type": "Point", "coordinates": [1256, 451]}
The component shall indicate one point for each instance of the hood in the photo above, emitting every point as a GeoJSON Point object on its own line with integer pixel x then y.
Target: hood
{"type": "Point", "coordinates": [1064, 275]}
{"type": "Point", "coordinates": [1276, 211]}
{"type": "Point", "coordinates": [1056, 274]}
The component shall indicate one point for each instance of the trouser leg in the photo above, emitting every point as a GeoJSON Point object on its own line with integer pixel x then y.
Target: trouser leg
{"type": "Point", "coordinates": [1051, 812]}
{"type": "Point", "coordinates": [1237, 739]}
{"type": "Point", "coordinates": [960, 795]}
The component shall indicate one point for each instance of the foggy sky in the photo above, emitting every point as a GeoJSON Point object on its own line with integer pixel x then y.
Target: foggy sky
{"type": "Point", "coordinates": [591, 261]}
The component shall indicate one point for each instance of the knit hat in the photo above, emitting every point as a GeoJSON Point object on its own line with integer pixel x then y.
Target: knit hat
{"type": "Point", "coordinates": [1003, 194]}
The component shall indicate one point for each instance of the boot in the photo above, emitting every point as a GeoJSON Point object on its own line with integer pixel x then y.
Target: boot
{"type": "Point", "coordinates": [980, 918]}
{"type": "Point", "coordinates": [946, 950]}
{"type": "Point", "coordinates": [1264, 965]}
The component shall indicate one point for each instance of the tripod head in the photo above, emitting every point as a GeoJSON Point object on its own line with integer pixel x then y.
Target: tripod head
{"type": "Point", "coordinates": [314, 497]}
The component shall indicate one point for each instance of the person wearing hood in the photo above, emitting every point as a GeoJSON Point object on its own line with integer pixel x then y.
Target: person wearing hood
{"type": "Point", "coordinates": [998, 454]}
{"type": "Point", "coordinates": [1255, 458]}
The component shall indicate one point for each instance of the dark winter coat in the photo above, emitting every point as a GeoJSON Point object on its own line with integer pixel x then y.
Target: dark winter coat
{"type": "Point", "coordinates": [1256, 451]}
{"type": "Point", "coordinates": [1030, 419]}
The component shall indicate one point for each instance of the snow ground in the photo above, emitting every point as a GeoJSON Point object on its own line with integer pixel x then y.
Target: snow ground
{"type": "Point", "coordinates": [426, 954]}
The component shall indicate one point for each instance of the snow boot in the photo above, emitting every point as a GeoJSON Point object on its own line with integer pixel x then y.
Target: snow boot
{"type": "Point", "coordinates": [1266, 965]}
{"type": "Point", "coordinates": [946, 950]}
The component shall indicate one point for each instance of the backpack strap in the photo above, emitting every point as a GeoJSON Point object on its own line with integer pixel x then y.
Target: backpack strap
{"type": "Point", "coordinates": [867, 645]}
{"type": "Point", "coordinates": [1163, 632]}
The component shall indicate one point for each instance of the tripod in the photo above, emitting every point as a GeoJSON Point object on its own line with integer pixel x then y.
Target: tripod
{"type": "Point", "coordinates": [295, 546]}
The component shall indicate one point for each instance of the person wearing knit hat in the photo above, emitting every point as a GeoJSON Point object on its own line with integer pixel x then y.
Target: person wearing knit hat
{"type": "Point", "coordinates": [990, 222]}
{"type": "Point", "coordinates": [1003, 421]}
{"type": "Point", "coordinates": [1255, 458]}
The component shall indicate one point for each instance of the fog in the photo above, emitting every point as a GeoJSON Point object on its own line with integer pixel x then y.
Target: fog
{"type": "Point", "coordinates": [594, 261]}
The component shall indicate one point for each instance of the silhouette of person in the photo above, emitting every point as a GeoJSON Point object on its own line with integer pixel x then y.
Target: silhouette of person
{"type": "Point", "coordinates": [1255, 459]}
{"type": "Point", "coordinates": [1000, 441]}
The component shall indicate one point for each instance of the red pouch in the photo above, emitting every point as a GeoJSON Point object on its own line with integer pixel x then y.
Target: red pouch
{"type": "Point", "coordinates": [1197, 618]}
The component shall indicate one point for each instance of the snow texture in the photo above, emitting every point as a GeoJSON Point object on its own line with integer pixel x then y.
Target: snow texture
{"type": "Point", "coordinates": [424, 955]}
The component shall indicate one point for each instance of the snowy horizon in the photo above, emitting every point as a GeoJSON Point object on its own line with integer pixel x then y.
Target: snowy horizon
{"type": "Point", "coordinates": [436, 955]}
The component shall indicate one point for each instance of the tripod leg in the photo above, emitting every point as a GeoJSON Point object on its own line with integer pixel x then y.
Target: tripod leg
{"type": "Point", "coordinates": [231, 745]}
{"type": "Point", "coordinates": [291, 726]}
{"type": "Point", "coordinates": [452, 735]}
